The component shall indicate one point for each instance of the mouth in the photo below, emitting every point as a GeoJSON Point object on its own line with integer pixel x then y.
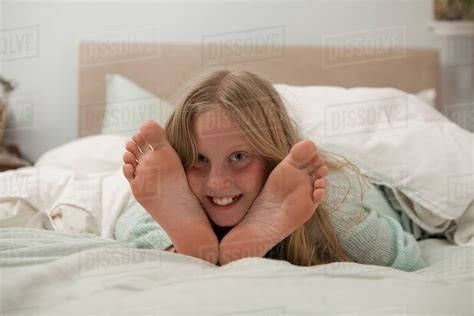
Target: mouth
{"type": "Point", "coordinates": [224, 203]}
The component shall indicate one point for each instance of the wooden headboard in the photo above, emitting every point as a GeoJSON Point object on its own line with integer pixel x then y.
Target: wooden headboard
{"type": "Point", "coordinates": [164, 68]}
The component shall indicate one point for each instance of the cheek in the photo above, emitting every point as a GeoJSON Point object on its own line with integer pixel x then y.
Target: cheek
{"type": "Point", "coordinates": [194, 180]}
{"type": "Point", "coordinates": [252, 178]}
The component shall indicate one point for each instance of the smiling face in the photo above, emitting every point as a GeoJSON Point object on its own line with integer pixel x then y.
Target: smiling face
{"type": "Point", "coordinates": [227, 170]}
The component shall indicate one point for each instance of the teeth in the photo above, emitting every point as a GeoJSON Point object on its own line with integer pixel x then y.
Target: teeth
{"type": "Point", "coordinates": [224, 201]}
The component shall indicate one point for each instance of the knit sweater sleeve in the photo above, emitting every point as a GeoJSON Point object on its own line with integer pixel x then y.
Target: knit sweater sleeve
{"type": "Point", "coordinates": [136, 227]}
{"type": "Point", "coordinates": [366, 226]}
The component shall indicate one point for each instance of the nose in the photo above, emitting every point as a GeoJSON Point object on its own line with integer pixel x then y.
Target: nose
{"type": "Point", "coordinates": [218, 179]}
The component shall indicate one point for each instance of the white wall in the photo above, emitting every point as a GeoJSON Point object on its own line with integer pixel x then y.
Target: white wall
{"type": "Point", "coordinates": [48, 76]}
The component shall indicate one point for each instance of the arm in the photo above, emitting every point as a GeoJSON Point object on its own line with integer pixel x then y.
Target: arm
{"type": "Point", "coordinates": [137, 227]}
{"type": "Point", "coordinates": [369, 232]}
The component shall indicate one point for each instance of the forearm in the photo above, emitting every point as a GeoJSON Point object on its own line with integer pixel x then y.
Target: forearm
{"type": "Point", "coordinates": [380, 240]}
{"type": "Point", "coordinates": [368, 230]}
{"type": "Point", "coordinates": [138, 227]}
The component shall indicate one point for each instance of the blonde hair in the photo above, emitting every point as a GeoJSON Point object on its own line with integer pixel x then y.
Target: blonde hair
{"type": "Point", "coordinates": [258, 109]}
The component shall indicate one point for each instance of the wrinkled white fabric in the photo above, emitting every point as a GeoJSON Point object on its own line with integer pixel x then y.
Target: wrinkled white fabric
{"type": "Point", "coordinates": [57, 199]}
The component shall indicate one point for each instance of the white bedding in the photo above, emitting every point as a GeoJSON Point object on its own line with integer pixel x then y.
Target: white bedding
{"type": "Point", "coordinates": [55, 263]}
{"type": "Point", "coordinates": [53, 273]}
{"type": "Point", "coordinates": [63, 200]}
{"type": "Point", "coordinates": [45, 272]}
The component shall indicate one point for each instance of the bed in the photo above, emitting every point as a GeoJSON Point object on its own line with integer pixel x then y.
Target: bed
{"type": "Point", "coordinates": [58, 255]}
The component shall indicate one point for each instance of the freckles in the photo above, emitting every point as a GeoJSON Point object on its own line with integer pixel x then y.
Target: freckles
{"type": "Point", "coordinates": [253, 174]}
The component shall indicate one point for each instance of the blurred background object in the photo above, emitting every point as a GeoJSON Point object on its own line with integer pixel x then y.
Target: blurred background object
{"type": "Point", "coordinates": [10, 155]}
{"type": "Point", "coordinates": [5, 88]}
{"type": "Point", "coordinates": [454, 9]}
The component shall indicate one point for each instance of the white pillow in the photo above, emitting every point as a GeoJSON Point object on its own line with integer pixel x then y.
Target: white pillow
{"type": "Point", "coordinates": [128, 105]}
{"type": "Point", "coordinates": [92, 154]}
{"type": "Point", "coordinates": [395, 139]}
{"type": "Point", "coordinates": [428, 96]}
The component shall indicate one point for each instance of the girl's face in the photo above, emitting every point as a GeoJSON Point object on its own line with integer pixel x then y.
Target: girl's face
{"type": "Point", "coordinates": [227, 170]}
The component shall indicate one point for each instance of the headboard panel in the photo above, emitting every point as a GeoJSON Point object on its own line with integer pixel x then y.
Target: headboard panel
{"type": "Point", "coordinates": [164, 68]}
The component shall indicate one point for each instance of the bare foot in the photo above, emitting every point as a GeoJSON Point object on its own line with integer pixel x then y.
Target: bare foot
{"type": "Point", "coordinates": [290, 196]}
{"type": "Point", "coordinates": [158, 182]}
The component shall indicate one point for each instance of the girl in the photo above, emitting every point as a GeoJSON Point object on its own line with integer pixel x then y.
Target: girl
{"type": "Point", "coordinates": [231, 177]}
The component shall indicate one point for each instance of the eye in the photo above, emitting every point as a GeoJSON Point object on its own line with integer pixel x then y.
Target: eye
{"type": "Point", "coordinates": [239, 156]}
{"type": "Point", "coordinates": [201, 158]}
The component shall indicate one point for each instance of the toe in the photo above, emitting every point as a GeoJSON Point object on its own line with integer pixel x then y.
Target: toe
{"type": "Point", "coordinates": [319, 195]}
{"type": "Point", "coordinates": [322, 172]}
{"type": "Point", "coordinates": [153, 134]}
{"type": "Point", "coordinates": [302, 153]}
{"type": "Point", "coordinates": [319, 184]}
{"type": "Point", "coordinates": [315, 163]}
{"type": "Point", "coordinates": [128, 171]}
{"type": "Point", "coordinates": [319, 192]}
{"type": "Point", "coordinates": [133, 149]}
{"type": "Point", "coordinates": [130, 158]}
{"type": "Point", "coordinates": [141, 143]}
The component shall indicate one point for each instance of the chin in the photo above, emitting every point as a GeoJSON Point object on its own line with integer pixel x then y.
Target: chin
{"type": "Point", "coordinates": [225, 223]}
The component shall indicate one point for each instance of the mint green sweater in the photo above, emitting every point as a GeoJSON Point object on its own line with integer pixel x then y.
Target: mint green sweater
{"type": "Point", "coordinates": [369, 231]}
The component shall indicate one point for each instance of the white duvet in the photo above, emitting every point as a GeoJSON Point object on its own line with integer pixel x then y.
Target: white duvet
{"type": "Point", "coordinates": [52, 273]}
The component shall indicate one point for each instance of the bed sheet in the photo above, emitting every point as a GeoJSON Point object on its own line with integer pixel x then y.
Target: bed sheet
{"type": "Point", "coordinates": [53, 273]}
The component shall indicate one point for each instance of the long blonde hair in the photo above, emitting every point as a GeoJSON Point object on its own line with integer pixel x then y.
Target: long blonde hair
{"type": "Point", "coordinates": [258, 109]}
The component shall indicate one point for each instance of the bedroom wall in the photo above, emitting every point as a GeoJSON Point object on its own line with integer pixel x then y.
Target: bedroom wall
{"type": "Point", "coordinates": [45, 111]}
